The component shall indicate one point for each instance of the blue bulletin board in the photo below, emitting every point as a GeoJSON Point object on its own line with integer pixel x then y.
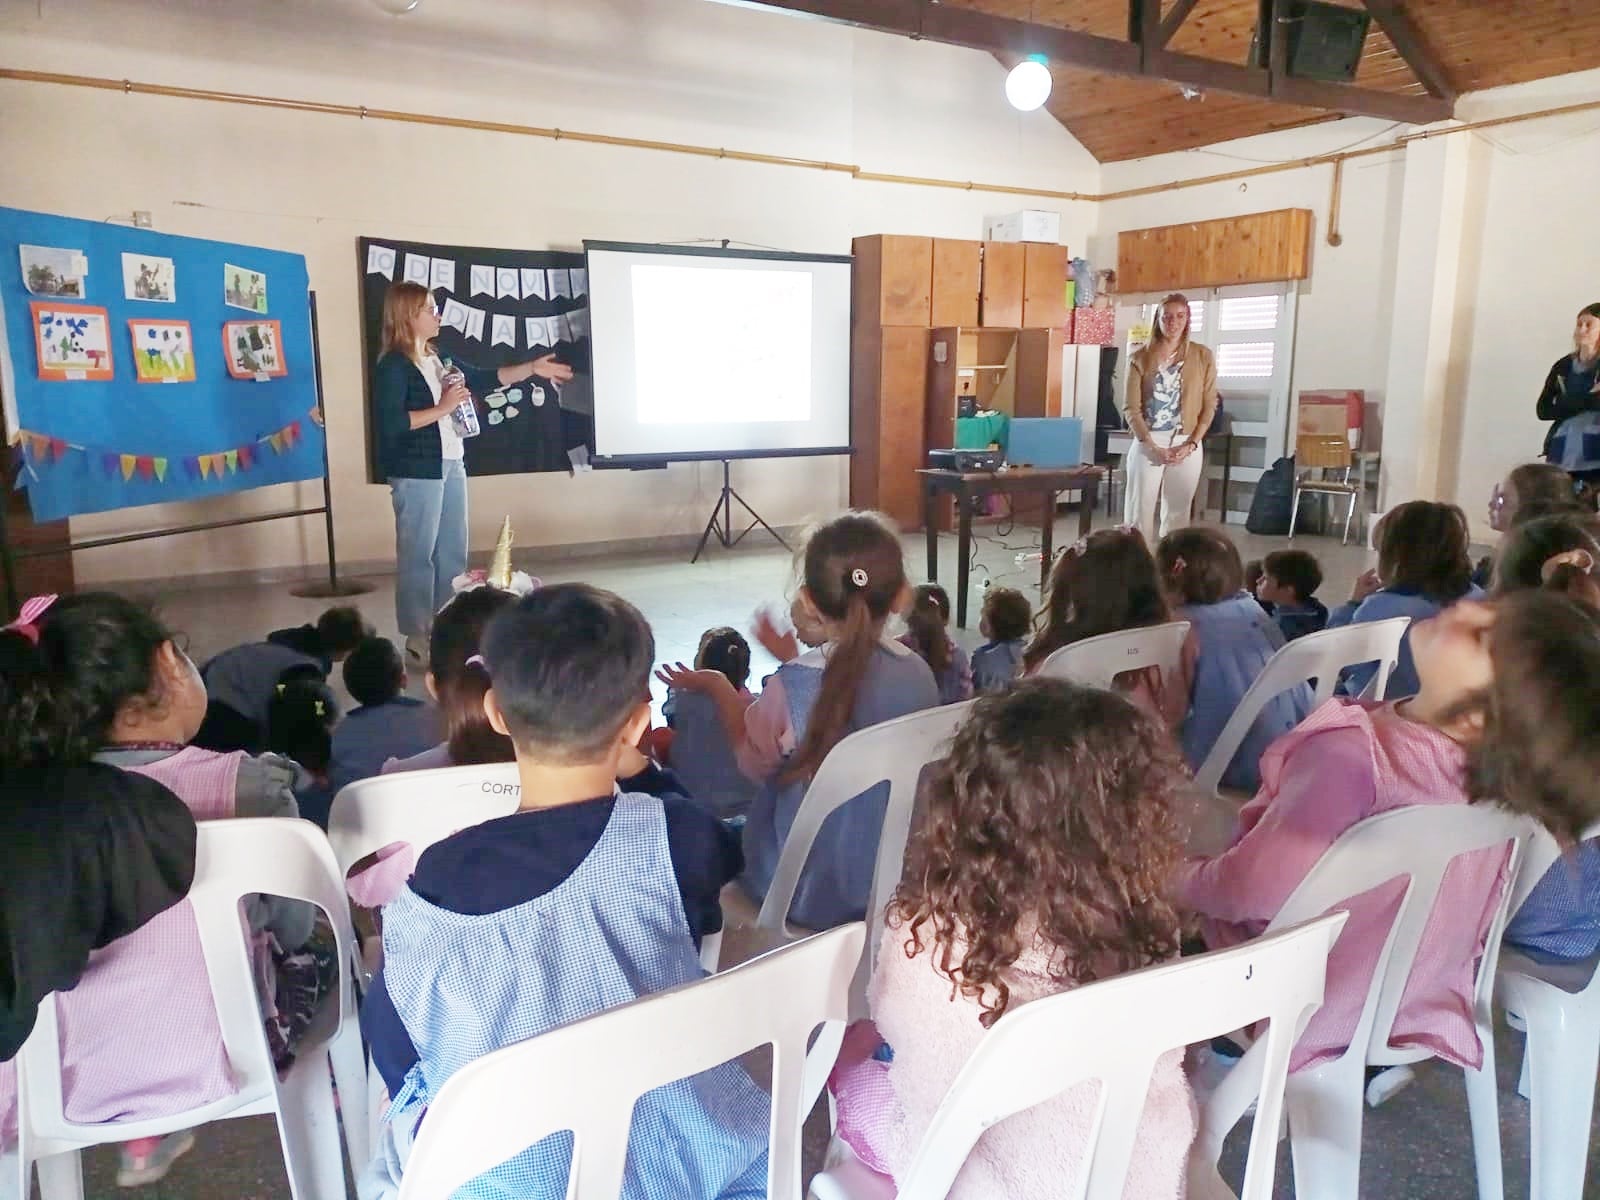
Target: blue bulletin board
{"type": "Point", "coordinates": [117, 395]}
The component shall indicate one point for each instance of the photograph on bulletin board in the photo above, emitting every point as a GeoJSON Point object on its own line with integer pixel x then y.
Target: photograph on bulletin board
{"type": "Point", "coordinates": [92, 314]}
{"type": "Point", "coordinates": [497, 308]}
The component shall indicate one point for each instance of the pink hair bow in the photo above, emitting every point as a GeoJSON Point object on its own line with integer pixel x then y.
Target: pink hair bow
{"type": "Point", "coordinates": [27, 622]}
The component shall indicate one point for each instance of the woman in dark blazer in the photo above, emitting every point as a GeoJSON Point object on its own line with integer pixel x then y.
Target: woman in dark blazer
{"type": "Point", "coordinates": [1571, 399]}
{"type": "Point", "coordinates": [420, 454]}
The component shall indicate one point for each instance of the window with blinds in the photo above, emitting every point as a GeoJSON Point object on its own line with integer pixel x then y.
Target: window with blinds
{"type": "Point", "coordinates": [1238, 314]}
{"type": "Point", "coordinates": [1246, 360]}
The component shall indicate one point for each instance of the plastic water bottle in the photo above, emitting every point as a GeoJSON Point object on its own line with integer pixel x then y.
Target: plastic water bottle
{"type": "Point", "coordinates": [464, 416]}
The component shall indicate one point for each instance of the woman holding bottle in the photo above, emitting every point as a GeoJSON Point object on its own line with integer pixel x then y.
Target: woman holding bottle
{"type": "Point", "coordinates": [1171, 400]}
{"type": "Point", "coordinates": [1570, 399]}
{"type": "Point", "coordinates": [420, 432]}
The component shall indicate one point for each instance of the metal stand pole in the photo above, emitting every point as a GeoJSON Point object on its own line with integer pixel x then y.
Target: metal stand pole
{"type": "Point", "coordinates": [721, 522]}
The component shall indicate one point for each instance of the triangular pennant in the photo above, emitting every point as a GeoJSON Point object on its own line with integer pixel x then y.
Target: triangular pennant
{"type": "Point", "coordinates": [129, 462]}
{"type": "Point", "coordinates": [275, 440]}
{"type": "Point", "coordinates": [231, 457]}
{"type": "Point", "coordinates": [58, 449]}
{"type": "Point", "coordinates": [294, 432]}
{"type": "Point", "coordinates": [205, 466]}
{"type": "Point", "coordinates": [108, 463]}
{"type": "Point", "coordinates": [191, 467]}
{"type": "Point", "coordinates": [146, 466]}
{"type": "Point", "coordinates": [247, 457]}
{"type": "Point", "coordinates": [161, 469]}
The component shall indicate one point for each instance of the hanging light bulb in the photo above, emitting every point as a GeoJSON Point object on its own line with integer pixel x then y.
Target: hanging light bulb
{"type": "Point", "coordinates": [1028, 84]}
{"type": "Point", "coordinates": [397, 8]}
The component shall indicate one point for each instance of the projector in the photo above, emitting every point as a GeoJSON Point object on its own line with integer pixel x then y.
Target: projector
{"type": "Point", "coordinates": [965, 460]}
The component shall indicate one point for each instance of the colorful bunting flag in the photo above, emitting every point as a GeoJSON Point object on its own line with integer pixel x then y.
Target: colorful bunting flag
{"type": "Point", "coordinates": [129, 462]}
{"type": "Point", "coordinates": [161, 470]}
{"type": "Point", "coordinates": [232, 459]}
{"type": "Point", "coordinates": [247, 457]}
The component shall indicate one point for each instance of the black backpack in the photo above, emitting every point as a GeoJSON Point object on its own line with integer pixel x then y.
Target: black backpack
{"type": "Point", "coordinates": [1273, 504]}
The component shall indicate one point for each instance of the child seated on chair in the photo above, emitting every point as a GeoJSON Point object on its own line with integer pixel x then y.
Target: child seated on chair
{"type": "Point", "coordinates": [96, 677]}
{"type": "Point", "coordinates": [1232, 641]}
{"type": "Point", "coordinates": [1104, 584]}
{"type": "Point", "coordinates": [1005, 622]}
{"type": "Point", "coordinates": [1530, 549]}
{"type": "Point", "coordinates": [605, 895]}
{"type": "Point", "coordinates": [928, 633]}
{"type": "Point", "coordinates": [1353, 759]}
{"type": "Point", "coordinates": [388, 723]}
{"type": "Point", "coordinates": [300, 723]}
{"type": "Point", "coordinates": [240, 682]}
{"type": "Point", "coordinates": [854, 580]}
{"type": "Point", "coordinates": [1287, 589]}
{"type": "Point", "coordinates": [1423, 568]}
{"type": "Point", "coordinates": [695, 744]}
{"type": "Point", "coordinates": [1040, 865]}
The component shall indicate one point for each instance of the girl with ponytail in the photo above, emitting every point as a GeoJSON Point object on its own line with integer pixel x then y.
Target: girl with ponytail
{"type": "Point", "coordinates": [853, 579]}
{"type": "Point", "coordinates": [928, 633]}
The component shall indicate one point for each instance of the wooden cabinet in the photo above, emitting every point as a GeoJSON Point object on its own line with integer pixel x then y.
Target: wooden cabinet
{"type": "Point", "coordinates": [1002, 285]}
{"type": "Point", "coordinates": [888, 372]}
{"type": "Point", "coordinates": [42, 575]}
{"type": "Point", "coordinates": [1258, 248]}
{"type": "Point", "coordinates": [957, 272]}
{"type": "Point", "coordinates": [1044, 286]}
{"type": "Point", "coordinates": [892, 280]}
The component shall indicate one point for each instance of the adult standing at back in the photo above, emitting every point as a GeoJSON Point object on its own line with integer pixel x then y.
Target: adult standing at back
{"type": "Point", "coordinates": [420, 453]}
{"type": "Point", "coordinates": [1170, 402]}
{"type": "Point", "coordinates": [1571, 399]}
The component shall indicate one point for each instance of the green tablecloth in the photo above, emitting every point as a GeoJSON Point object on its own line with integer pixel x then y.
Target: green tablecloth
{"type": "Point", "coordinates": [976, 433]}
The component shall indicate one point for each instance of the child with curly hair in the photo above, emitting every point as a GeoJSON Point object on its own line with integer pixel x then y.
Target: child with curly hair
{"type": "Point", "coordinates": [1042, 864]}
{"type": "Point", "coordinates": [1006, 620]}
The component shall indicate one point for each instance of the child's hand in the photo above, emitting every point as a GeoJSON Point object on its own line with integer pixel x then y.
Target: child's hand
{"type": "Point", "coordinates": [1366, 583]}
{"type": "Point", "coordinates": [679, 676]}
{"type": "Point", "coordinates": [783, 646]}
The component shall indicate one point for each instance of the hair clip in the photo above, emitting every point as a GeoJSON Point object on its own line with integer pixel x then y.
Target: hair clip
{"type": "Point", "coordinates": [321, 711]}
{"type": "Point", "coordinates": [1079, 547]}
{"type": "Point", "coordinates": [282, 688]}
{"type": "Point", "coordinates": [859, 577]}
{"type": "Point", "coordinates": [1579, 558]}
{"type": "Point", "coordinates": [27, 622]}
{"type": "Point", "coordinates": [477, 661]}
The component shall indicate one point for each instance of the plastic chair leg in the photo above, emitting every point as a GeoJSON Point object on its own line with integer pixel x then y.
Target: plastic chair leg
{"type": "Point", "coordinates": [1483, 1108]}
{"type": "Point", "coordinates": [350, 1073]}
{"type": "Point", "coordinates": [377, 1105]}
{"type": "Point", "coordinates": [1294, 513]}
{"type": "Point", "coordinates": [61, 1176]}
{"type": "Point", "coordinates": [309, 1129]}
{"type": "Point", "coordinates": [1325, 1111]}
{"type": "Point", "coordinates": [1349, 513]}
{"type": "Point", "coordinates": [1563, 1055]}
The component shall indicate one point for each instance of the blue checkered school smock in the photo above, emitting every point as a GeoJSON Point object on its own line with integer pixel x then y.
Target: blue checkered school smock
{"type": "Point", "coordinates": [612, 931]}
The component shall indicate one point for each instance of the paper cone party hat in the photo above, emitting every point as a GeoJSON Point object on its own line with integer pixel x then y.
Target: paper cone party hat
{"type": "Point", "coordinates": [500, 565]}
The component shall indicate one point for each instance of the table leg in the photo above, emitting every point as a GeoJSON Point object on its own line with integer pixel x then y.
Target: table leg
{"type": "Point", "coordinates": [1086, 509]}
{"type": "Point", "coordinates": [963, 553]}
{"type": "Point", "coordinates": [1227, 474]}
{"type": "Point", "coordinates": [1047, 537]}
{"type": "Point", "coordinates": [930, 525]}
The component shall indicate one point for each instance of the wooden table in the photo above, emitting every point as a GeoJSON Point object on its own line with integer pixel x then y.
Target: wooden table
{"type": "Point", "coordinates": [967, 486]}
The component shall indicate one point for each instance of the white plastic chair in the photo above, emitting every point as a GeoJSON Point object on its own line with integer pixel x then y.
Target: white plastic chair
{"type": "Point", "coordinates": [1040, 1049]}
{"type": "Point", "coordinates": [895, 751]}
{"type": "Point", "coordinates": [1320, 656]}
{"type": "Point", "coordinates": [233, 859]}
{"type": "Point", "coordinates": [1097, 661]}
{"type": "Point", "coordinates": [1325, 1102]}
{"type": "Point", "coordinates": [497, 1107]}
{"type": "Point", "coordinates": [1559, 1006]}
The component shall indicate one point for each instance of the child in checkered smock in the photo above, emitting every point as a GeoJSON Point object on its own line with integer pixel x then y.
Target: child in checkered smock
{"type": "Point", "coordinates": [1048, 832]}
{"type": "Point", "coordinates": [587, 882]}
{"type": "Point", "coordinates": [96, 676]}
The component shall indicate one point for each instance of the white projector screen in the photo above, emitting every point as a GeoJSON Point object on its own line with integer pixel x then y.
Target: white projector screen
{"type": "Point", "coordinates": [710, 353]}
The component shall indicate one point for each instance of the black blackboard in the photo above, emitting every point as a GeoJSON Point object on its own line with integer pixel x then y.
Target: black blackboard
{"type": "Point", "coordinates": [530, 434]}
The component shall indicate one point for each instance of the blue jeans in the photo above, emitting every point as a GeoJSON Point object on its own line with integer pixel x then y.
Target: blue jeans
{"type": "Point", "coordinates": [430, 533]}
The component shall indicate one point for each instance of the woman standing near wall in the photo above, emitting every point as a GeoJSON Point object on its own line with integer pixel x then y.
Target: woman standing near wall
{"type": "Point", "coordinates": [1171, 399]}
{"type": "Point", "coordinates": [1571, 398]}
{"type": "Point", "coordinates": [420, 454]}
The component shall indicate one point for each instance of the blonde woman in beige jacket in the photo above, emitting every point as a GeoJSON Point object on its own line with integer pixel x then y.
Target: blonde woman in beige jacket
{"type": "Point", "coordinates": [1171, 399]}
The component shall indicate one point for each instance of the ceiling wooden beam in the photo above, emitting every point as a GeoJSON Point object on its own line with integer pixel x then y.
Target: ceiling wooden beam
{"type": "Point", "coordinates": [1173, 21]}
{"type": "Point", "coordinates": [1409, 44]}
{"type": "Point", "coordinates": [972, 28]}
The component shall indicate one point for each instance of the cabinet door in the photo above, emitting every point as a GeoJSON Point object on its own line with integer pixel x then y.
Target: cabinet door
{"type": "Point", "coordinates": [1002, 284]}
{"type": "Point", "coordinates": [1044, 285]}
{"type": "Point", "coordinates": [892, 279]}
{"type": "Point", "coordinates": [957, 268]}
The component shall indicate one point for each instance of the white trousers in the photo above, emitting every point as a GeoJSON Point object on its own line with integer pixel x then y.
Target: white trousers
{"type": "Point", "coordinates": [1149, 482]}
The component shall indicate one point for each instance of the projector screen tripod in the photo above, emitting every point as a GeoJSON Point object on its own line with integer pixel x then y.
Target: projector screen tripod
{"type": "Point", "coordinates": [721, 522]}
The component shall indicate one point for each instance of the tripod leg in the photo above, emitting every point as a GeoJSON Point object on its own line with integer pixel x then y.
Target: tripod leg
{"type": "Point", "coordinates": [759, 520]}
{"type": "Point", "coordinates": [713, 523]}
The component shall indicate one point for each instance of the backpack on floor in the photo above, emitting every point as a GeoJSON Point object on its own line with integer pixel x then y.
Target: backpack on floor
{"type": "Point", "coordinates": [1273, 503]}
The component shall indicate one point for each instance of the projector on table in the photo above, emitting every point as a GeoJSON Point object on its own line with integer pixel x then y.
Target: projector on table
{"type": "Point", "coordinates": [965, 460]}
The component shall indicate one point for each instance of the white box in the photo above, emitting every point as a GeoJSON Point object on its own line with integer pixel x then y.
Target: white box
{"type": "Point", "coordinates": [1029, 225]}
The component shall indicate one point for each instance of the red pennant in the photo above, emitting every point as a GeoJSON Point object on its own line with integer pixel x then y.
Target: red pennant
{"type": "Point", "coordinates": [294, 432]}
{"type": "Point", "coordinates": [247, 456]}
{"type": "Point", "coordinates": [146, 466]}
{"type": "Point", "coordinates": [58, 449]}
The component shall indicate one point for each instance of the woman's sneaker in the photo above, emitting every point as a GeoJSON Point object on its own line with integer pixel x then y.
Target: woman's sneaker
{"type": "Point", "coordinates": [146, 1160]}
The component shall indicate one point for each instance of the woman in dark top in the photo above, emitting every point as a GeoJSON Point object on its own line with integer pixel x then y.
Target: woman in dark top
{"type": "Point", "coordinates": [420, 453]}
{"type": "Point", "coordinates": [1571, 398]}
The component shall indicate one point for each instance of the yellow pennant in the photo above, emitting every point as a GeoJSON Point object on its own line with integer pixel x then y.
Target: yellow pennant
{"type": "Point", "coordinates": [205, 466]}
{"type": "Point", "coordinates": [129, 462]}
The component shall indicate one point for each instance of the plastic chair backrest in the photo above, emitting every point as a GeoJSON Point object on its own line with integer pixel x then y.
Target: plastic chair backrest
{"type": "Point", "coordinates": [1320, 656]}
{"type": "Point", "coordinates": [895, 751]}
{"type": "Point", "coordinates": [233, 859]}
{"type": "Point", "coordinates": [1096, 661]}
{"type": "Point", "coordinates": [1418, 842]}
{"type": "Point", "coordinates": [496, 1107]}
{"type": "Point", "coordinates": [1039, 1050]}
{"type": "Point", "coordinates": [420, 807]}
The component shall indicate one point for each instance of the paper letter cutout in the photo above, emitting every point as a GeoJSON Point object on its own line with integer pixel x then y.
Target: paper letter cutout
{"type": "Point", "coordinates": [560, 283]}
{"type": "Point", "coordinates": [505, 330]}
{"type": "Point", "coordinates": [455, 315]}
{"type": "Point", "coordinates": [444, 274]}
{"type": "Point", "coordinates": [578, 318]}
{"type": "Point", "coordinates": [417, 268]}
{"type": "Point", "coordinates": [380, 261]}
{"type": "Point", "coordinates": [532, 284]}
{"type": "Point", "coordinates": [535, 330]}
{"type": "Point", "coordinates": [474, 323]}
{"type": "Point", "coordinates": [563, 328]}
{"type": "Point", "coordinates": [580, 281]}
{"type": "Point", "coordinates": [482, 281]}
{"type": "Point", "coordinates": [506, 283]}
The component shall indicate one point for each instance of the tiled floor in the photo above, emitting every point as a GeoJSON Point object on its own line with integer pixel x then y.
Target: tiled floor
{"type": "Point", "coordinates": [1418, 1147]}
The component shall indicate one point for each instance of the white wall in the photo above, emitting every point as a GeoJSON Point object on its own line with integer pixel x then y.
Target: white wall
{"type": "Point", "coordinates": [677, 70]}
{"type": "Point", "coordinates": [1519, 201]}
